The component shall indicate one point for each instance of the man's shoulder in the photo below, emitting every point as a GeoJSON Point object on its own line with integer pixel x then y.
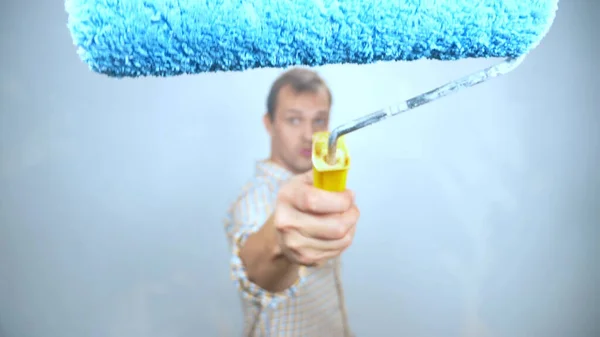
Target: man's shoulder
{"type": "Point", "coordinates": [259, 184]}
{"type": "Point", "coordinates": [259, 188]}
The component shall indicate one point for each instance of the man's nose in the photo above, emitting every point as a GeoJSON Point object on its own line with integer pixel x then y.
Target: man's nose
{"type": "Point", "coordinates": [307, 132]}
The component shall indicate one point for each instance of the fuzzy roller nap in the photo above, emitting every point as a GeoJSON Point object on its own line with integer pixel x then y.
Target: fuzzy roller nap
{"type": "Point", "coordinates": [132, 38]}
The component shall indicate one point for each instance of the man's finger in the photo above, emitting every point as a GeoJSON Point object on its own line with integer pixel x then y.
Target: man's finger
{"type": "Point", "coordinates": [307, 177]}
{"type": "Point", "coordinates": [310, 199]}
{"type": "Point", "coordinates": [328, 227]}
{"type": "Point", "coordinates": [312, 244]}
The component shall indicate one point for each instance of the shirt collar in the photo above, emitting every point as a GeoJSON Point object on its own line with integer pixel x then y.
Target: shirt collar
{"type": "Point", "coordinates": [271, 169]}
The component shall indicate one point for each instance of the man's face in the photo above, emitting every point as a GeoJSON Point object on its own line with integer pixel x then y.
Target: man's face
{"type": "Point", "coordinates": [297, 117]}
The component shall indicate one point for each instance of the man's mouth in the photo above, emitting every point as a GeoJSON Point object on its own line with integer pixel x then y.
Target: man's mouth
{"type": "Point", "coordinates": [306, 153]}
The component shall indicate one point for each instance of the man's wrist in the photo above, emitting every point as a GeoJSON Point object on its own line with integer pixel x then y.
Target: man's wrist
{"type": "Point", "coordinates": [276, 253]}
{"type": "Point", "coordinates": [270, 269]}
{"type": "Point", "coordinates": [271, 238]}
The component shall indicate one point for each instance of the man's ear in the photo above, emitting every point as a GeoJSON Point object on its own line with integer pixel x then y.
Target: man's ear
{"type": "Point", "coordinates": [268, 124]}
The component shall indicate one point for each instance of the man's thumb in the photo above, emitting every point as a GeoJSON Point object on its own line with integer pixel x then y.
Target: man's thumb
{"type": "Point", "coordinates": [307, 177]}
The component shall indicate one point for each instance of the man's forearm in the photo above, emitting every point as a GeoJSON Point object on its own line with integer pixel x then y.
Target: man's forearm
{"type": "Point", "coordinates": [264, 263]}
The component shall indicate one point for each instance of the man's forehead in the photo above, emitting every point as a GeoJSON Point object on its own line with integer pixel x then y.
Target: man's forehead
{"type": "Point", "coordinates": [320, 92]}
{"type": "Point", "coordinates": [300, 112]}
{"type": "Point", "coordinates": [290, 99]}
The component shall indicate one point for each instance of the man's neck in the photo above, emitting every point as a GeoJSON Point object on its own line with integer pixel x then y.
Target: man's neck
{"type": "Point", "coordinates": [273, 160]}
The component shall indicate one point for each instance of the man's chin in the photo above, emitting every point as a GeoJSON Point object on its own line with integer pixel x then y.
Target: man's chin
{"type": "Point", "coordinates": [303, 167]}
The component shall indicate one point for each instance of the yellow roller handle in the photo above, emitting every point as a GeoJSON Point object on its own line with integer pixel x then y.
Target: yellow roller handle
{"type": "Point", "coordinates": [329, 177]}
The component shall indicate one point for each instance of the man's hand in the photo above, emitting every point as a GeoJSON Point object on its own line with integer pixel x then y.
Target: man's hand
{"type": "Point", "coordinates": [313, 225]}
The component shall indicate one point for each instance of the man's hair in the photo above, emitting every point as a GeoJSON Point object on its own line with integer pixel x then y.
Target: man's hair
{"type": "Point", "coordinates": [301, 80]}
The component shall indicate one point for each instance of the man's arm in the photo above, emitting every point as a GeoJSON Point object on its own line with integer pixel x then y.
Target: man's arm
{"type": "Point", "coordinates": [265, 264]}
{"type": "Point", "coordinates": [261, 272]}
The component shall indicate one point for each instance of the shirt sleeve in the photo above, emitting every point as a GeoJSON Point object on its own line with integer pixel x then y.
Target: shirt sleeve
{"type": "Point", "coordinates": [247, 216]}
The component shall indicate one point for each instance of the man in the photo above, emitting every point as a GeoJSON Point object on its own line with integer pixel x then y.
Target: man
{"type": "Point", "coordinates": [286, 236]}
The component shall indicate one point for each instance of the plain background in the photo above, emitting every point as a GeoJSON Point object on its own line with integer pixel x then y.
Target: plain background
{"type": "Point", "coordinates": [480, 212]}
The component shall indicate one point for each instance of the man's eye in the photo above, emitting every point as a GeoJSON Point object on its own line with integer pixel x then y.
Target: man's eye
{"type": "Point", "coordinates": [320, 121]}
{"type": "Point", "coordinates": [294, 121]}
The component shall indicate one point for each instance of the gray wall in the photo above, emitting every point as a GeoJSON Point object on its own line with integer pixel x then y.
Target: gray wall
{"type": "Point", "coordinates": [480, 212]}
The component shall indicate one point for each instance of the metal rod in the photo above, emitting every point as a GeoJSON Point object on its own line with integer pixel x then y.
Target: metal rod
{"type": "Point", "coordinates": [481, 76]}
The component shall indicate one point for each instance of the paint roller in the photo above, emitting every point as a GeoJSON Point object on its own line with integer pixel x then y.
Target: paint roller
{"type": "Point", "coordinates": [138, 38]}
